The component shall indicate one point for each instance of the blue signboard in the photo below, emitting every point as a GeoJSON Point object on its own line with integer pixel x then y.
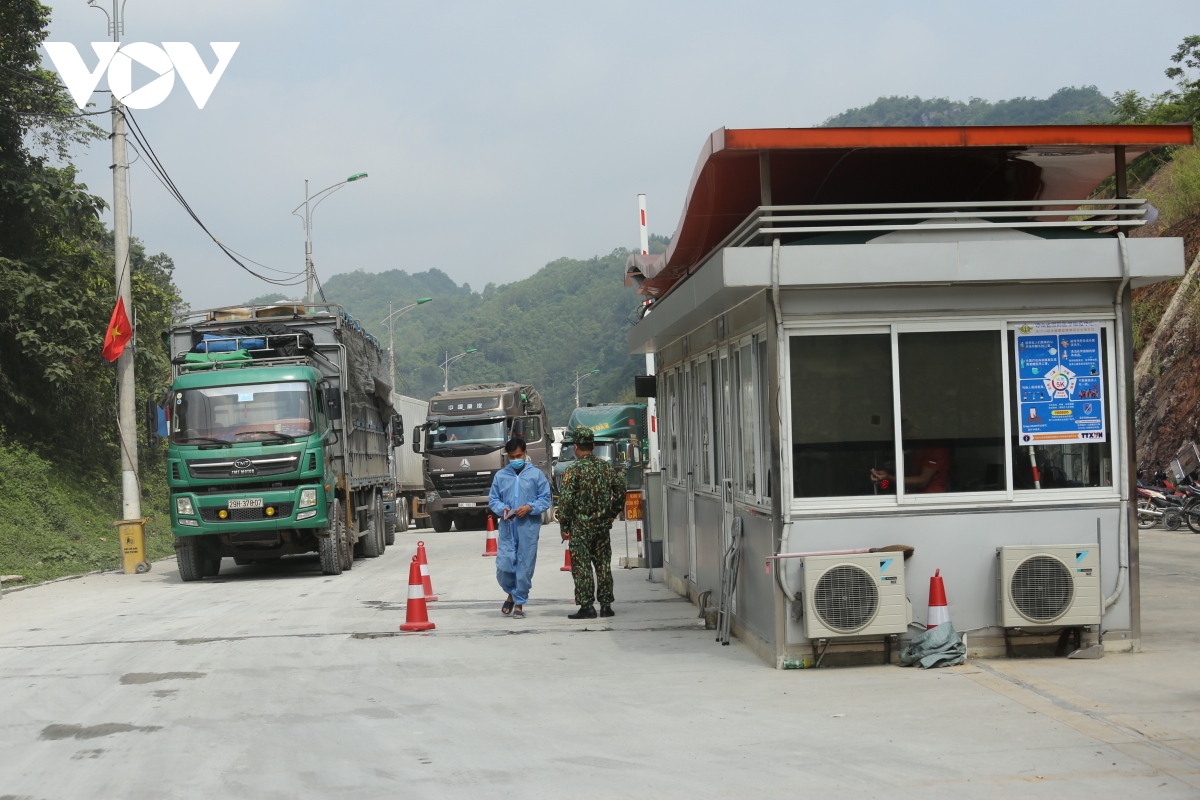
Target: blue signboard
{"type": "Point", "coordinates": [1060, 383]}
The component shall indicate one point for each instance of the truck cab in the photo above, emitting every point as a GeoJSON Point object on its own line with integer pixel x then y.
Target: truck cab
{"type": "Point", "coordinates": [620, 431]}
{"type": "Point", "coordinates": [463, 443]}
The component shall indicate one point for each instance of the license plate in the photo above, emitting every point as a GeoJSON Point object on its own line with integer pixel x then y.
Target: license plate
{"type": "Point", "coordinates": [467, 505]}
{"type": "Point", "coordinates": [250, 502]}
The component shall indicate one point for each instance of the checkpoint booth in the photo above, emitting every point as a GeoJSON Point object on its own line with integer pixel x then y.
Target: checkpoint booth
{"type": "Point", "coordinates": [869, 337]}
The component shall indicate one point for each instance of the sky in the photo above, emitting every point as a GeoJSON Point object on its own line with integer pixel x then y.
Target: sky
{"type": "Point", "coordinates": [498, 137]}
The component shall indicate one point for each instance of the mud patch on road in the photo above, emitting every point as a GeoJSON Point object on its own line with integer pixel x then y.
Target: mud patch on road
{"type": "Point", "coordinates": [55, 732]}
{"type": "Point", "coordinates": [134, 678]}
{"type": "Point", "coordinates": [166, 692]}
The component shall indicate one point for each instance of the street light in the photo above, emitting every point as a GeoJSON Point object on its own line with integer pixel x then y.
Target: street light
{"type": "Point", "coordinates": [310, 205]}
{"type": "Point", "coordinates": [580, 379]}
{"type": "Point", "coordinates": [390, 321]}
{"type": "Point", "coordinates": [445, 365]}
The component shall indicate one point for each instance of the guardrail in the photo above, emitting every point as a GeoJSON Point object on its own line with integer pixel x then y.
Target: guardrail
{"type": "Point", "coordinates": [767, 222]}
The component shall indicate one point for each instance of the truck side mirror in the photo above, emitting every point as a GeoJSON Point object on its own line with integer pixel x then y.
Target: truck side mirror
{"type": "Point", "coordinates": [397, 430]}
{"type": "Point", "coordinates": [333, 402]}
{"type": "Point", "coordinates": [416, 444]}
{"type": "Point", "coordinates": [152, 422]}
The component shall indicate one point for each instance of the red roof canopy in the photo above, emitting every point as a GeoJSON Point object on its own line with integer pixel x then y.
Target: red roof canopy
{"type": "Point", "coordinates": [809, 166]}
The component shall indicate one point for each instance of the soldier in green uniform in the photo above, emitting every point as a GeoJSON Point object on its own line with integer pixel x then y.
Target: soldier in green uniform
{"type": "Point", "coordinates": [593, 494]}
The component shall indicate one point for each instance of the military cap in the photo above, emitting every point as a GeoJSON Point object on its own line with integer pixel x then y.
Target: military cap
{"type": "Point", "coordinates": [583, 436]}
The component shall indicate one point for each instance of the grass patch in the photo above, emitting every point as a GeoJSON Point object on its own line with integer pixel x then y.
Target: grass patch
{"type": "Point", "coordinates": [1176, 194]}
{"type": "Point", "coordinates": [54, 523]}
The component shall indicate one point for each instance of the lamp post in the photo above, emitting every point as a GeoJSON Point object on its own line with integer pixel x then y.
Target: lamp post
{"type": "Point", "coordinates": [390, 321]}
{"type": "Point", "coordinates": [580, 379]}
{"type": "Point", "coordinates": [310, 205]}
{"type": "Point", "coordinates": [445, 365]}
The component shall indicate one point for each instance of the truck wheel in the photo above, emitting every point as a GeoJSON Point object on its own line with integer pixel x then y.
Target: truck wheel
{"type": "Point", "coordinates": [189, 558]}
{"type": "Point", "coordinates": [401, 523]}
{"type": "Point", "coordinates": [371, 542]}
{"type": "Point", "coordinates": [440, 521]}
{"type": "Point", "coordinates": [349, 543]}
{"type": "Point", "coordinates": [330, 547]}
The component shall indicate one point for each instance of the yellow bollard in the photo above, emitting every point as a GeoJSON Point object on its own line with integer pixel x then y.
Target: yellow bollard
{"type": "Point", "coordinates": [133, 545]}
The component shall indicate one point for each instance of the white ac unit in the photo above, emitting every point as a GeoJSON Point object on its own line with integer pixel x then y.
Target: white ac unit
{"type": "Point", "coordinates": [1049, 585]}
{"type": "Point", "coordinates": [855, 595]}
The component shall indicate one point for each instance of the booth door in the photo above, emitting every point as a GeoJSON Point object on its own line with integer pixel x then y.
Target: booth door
{"type": "Point", "coordinates": [687, 450]}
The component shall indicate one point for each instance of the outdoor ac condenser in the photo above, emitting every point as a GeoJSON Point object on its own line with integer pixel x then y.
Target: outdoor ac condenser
{"type": "Point", "coordinates": [855, 595]}
{"type": "Point", "coordinates": [1049, 585]}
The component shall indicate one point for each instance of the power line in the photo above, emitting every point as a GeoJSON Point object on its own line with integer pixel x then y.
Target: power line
{"type": "Point", "coordinates": [160, 172]}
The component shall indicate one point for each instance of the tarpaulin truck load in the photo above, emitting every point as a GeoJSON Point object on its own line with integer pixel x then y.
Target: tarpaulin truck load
{"type": "Point", "coordinates": [463, 442]}
{"type": "Point", "coordinates": [620, 431]}
{"type": "Point", "coordinates": [280, 423]}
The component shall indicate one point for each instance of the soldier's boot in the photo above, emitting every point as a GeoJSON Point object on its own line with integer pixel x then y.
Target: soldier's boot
{"type": "Point", "coordinates": [584, 612]}
{"type": "Point", "coordinates": [606, 611]}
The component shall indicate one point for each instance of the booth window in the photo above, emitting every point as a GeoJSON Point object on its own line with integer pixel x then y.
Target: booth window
{"type": "Point", "coordinates": [704, 407]}
{"type": "Point", "coordinates": [748, 433]}
{"type": "Point", "coordinates": [1072, 465]}
{"type": "Point", "coordinates": [673, 426]}
{"type": "Point", "coordinates": [842, 413]}
{"type": "Point", "coordinates": [952, 411]}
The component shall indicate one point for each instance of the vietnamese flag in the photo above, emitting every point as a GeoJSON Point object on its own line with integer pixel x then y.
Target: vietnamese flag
{"type": "Point", "coordinates": [119, 332]}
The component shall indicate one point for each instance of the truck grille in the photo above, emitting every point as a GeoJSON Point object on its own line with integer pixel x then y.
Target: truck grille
{"type": "Point", "coordinates": [244, 467]}
{"type": "Point", "coordinates": [462, 485]}
{"type": "Point", "coordinates": [282, 510]}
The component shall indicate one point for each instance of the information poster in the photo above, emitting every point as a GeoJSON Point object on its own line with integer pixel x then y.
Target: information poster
{"type": "Point", "coordinates": [1060, 383]}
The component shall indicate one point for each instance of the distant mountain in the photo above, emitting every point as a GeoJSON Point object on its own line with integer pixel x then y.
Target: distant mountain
{"type": "Point", "coordinates": [569, 315]}
{"type": "Point", "coordinates": [1067, 106]}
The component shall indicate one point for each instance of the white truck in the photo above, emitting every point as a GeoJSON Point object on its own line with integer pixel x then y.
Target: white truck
{"type": "Point", "coordinates": [407, 504]}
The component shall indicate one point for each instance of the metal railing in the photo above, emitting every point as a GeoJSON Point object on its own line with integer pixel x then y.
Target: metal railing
{"type": "Point", "coordinates": [767, 222]}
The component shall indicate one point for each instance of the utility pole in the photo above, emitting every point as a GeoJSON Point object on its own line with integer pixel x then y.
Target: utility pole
{"type": "Point", "coordinates": [131, 496]}
{"type": "Point", "coordinates": [390, 321]}
{"type": "Point", "coordinates": [308, 265]}
{"type": "Point", "coordinates": [445, 365]}
{"type": "Point", "coordinates": [651, 410]}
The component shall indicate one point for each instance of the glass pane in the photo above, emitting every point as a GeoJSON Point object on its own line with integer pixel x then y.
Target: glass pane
{"type": "Point", "coordinates": [842, 419]}
{"type": "Point", "coordinates": [952, 411]}
{"type": "Point", "coordinates": [764, 421]}
{"type": "Point", "coordinates": [243, 413]}
{"type": "Point", "coordinates": [719, 412]}
{"type": "Point", "coordinates": [1060, 466]}
{"type": "Point", "coordinates": [673, 425]}
{"type": "Point", "coordinates": [748, 408]}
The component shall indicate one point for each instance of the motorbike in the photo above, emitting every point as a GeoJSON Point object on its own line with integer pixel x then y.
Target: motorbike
{"type": "Point", "coordinates": [1154, 506]}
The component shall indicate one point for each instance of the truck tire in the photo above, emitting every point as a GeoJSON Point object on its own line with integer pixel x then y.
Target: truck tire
{"type": "Point", "coordinates": [401, 523]}
{"type": "Point", "coordinates": [349, 543]}
{"type": "Point", "coordinates": [371, 542]}
{"type": "Point", "coordinates": [189, 557]}
{"type": "Point", "coordinates": [440, 521]}
{"type": "Point", "coordinates": [329, 547]}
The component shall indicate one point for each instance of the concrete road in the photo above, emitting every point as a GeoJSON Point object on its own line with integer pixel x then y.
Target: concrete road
{"type": "Point", "coordinates": [281, 682]}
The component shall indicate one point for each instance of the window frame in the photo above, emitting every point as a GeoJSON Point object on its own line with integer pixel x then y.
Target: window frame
{"type": "Point", "coordinates": [901, 500]}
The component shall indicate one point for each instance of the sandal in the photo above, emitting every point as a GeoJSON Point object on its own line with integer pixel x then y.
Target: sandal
{"type": "Point", "coordinates": [507, 608]}
{"type": "Point", "coordinates": [519, 613]}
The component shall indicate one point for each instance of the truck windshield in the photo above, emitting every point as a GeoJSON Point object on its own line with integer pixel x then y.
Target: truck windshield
{"type": "Point", "coordinates": [604, 452]}
{"type": "Point", "coordinates": [246, 413]}
{"type": "Point", "coordinates": [457, 435]}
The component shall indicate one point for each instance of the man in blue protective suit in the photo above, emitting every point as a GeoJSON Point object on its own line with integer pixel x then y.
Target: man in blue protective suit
{"type": "Point", "coordinates": [520, 495]}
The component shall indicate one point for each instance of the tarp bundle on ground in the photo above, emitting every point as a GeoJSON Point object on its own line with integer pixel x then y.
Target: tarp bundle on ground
{"type": "Point", "coordinates": [533, 400]}
{"type": "Point", "coordinates": [936, 647]}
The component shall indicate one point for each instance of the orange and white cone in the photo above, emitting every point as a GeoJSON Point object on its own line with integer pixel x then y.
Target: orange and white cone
{"type": "Point", "coordinates": [425, 580]}
{"type": "Point", "coordinates": [490, 548]}
{"type": "Point", "coordinates": [416, 617]}
{"type": "Point", "coordinates": [566, 567]}
{"type": "Point", "coordinates": [939, 611]}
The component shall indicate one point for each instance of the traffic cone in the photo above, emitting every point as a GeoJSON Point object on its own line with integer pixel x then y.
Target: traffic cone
{"type": "Point", "coordinates": [939, 611]}
{"type": "Point", "coordinates": [425, 580]}
{"type": "Point", "coordinates": [490, 549]}
{"type": "Point", "coordinates": [566, 567]}
{"type": "Point", "coordinates": [416, 617]}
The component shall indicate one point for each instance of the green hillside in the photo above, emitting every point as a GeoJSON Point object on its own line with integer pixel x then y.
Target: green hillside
{"type": "Point", "coordinates": [1067, 106]}
{"type": "Point", "coordinates": [569, 315]}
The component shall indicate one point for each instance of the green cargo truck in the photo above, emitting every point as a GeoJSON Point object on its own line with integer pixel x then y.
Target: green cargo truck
{"type": "Point", "coordinates": [620, 430]}
{"type": "Point", "coordinates": [279, 424]}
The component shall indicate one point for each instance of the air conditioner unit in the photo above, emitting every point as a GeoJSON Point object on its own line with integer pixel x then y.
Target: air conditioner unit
{"type": "Point", "coordinates": [855, 595]}
{"type": "Point", "coordinates": [1049, 585]}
